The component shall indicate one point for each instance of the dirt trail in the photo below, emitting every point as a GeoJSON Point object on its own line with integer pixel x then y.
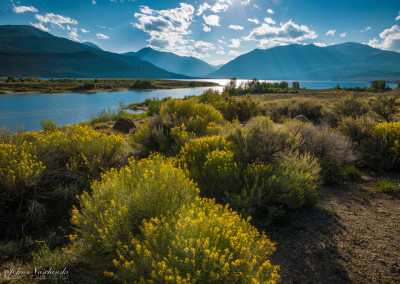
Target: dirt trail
{"type": "Point", "coordinates": [351, 236]}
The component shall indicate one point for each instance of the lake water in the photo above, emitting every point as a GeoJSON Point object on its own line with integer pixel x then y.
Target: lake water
{"type": "Point", "coordinates": [29, 110]}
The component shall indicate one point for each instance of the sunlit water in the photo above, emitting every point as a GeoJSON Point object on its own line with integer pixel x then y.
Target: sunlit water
{"type": "Point", "coordinates": [28, 110]}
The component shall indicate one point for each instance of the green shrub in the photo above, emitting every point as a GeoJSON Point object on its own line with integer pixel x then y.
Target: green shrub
{"type": "Point", "coordinates": [312, 109]}
{"type": "Point", "coordinates": [352, 106]}
{"type": "Point", "coordinates": [196, 116]}
{"type": "Point", "coordinates": [333, 150]}
{"type": "Point", "coordinates": [159, 135]}
{"type": "Point", "coordinates": [144, 84]}
{"type": "Point", "coordinates": [382, 149]}
{"type": "Point", "coordinates": [351, 173]}
{"type": "Point", "coordinates": [260, 140]}
{"type": "Point", "coordinates": [388, 185]}
{"type": "Point", "coordinates": [48, 125]}
{"type": "Point", "coordinates": [386, 107]}
{"type": "Point", "coordinates": [357, 129]}
{"type": "Point", "coordinates": [108, 114]}
{"type": "Point", "coordinates": [202, 243]}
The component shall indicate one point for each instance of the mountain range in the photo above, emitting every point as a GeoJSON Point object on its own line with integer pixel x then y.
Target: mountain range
{"type": "Point", "coordinates": [29, 52]}
{"type": "Point", "coordinates": [189, 66]}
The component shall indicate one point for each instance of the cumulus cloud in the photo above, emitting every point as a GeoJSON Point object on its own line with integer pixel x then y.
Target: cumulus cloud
{"type": "Point", "coordinates": [206, 28]}
{"type": "Point", "coordinates": [283, 34]}
{"type": "Point", "coordinates": [235, 43]}
{"type": "Point", "coordinates": [212, 20]}
{"type": "Point", "coordinates": [218, 7]}
{"type": "Point", "coordinates": [235, 27]}
{"type": "Point", "coordinates": [23, 9]}
{"type": "Point", "coordinates": [204, 46]}
{"type": "Point", "coordinates": [256, 7]}
{"type": "Point", "coordinates": [84, 31]}
{"type": "Point", "coordinates": [220, 52]}
{"type": "Point", "coordinates": [270, 11]}
{"type": "Point", "coordinates": [254, 20]}
{"type": "Point", "coordinates": [56, 20]}
{"type": "Point", "coordinates": [398, 17]}
{"type": "Point", "coordinates": [102, 36]}
{"type": "Point", "coordinates": [343, 35]}
{"type": "Point", "coordinates": [366, 29]}
{"type": "Point", "coordinates": [269, 21]}
{"type": "Point", "coordinates": [39, 26]}
{"type": "Point", "coordinates": [245, 2]}
{"type": "Point", "coordinates": [389, 39]}
{"type": "Point", "coordinates": [168, 29]}
{"type": "Point", "coordinates": [331, 32]}
{"type": "Point", "coordinates": [94, 2]}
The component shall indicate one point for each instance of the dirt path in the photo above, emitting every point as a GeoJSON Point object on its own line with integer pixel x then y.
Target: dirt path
{"type": "Point", "coordinates": [352, 236]}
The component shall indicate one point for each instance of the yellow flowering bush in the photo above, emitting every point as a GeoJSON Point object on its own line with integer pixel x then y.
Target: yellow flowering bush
{"type": "Point", "coordinates": [118, 204]}
{"type": "Point", "coordinates": [382, 149]}
{"type": "Point", "coordinates": [19, 168]}
{"type": "Point", "coordinates": [194, 154]}
{"type": "Point", "coordinates": [201, 243]}
{"type": "Point", "coordinates": [196, 116]}
{"type": "Point", "coordinates": [80, 148]}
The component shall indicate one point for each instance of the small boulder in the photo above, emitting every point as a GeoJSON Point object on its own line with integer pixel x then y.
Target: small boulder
{"type": "Point", "coordinates": [124, 125]}
{"type": "Point", "coordinates": [302, 118]}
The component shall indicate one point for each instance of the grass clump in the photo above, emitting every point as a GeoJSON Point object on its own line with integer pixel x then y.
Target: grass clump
{"type": "Point", "coordinates": [388, 185]}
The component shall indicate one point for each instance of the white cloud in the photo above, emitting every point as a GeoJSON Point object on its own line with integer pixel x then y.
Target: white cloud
{"type": "Point", "coordinates": [212, 20]}
{"type": "Point", "coordinates": [74, 35]}
{"type": "Point", "coordinates": [220, 6]}
{"type": "Point", "coordinates": [254, 20]}
{"type": "Point", "coordinates": [366, 29]}
{"type": "Point", "coordinates": [235, 43]}
{"type": "Point", "coordinates": [320, 44]}
{"type": "Point", "coordinates": [245, 2]}
{"type": "Point", "coordinates": [269, 21]}
{"type": "Point", "coordinates": [331, 32]}
{"type": "Point", "coordinates": [55, 20]}
{"type": "Point", "coordinates": [23, 9]}
{"type": "Point", "coordinates": [219, 61]}
{"type": "Point", "coordinates": [84, 31]}
{"type": "Point", "coordinates": [220, 52]}
{"type": "Point", "coordinates": [390, 39]}
{"type": "Point", "coordinates": [221, 41]}
{"type": "Point", "coordinates": [398, 17]}
{"type": "Point", "coordinates": [39, 26]}
{"type": "Point", "coordinates": [204, 46]}
{"type": "Point", "coordinates": [343, 35]}
{"type": "Point", "coordinates": [270, 11]}
{"type": "Point", "coordinates": [94, 2]}
{"type": "Point", "coordinates": [256, 7]}
{"type": "Point", "coordinates": [285, 33]}
{"type": "Point", "coordinates": [206, 28]}
{"type": "Point", "coordinates": [234, 52]}
{"type": "Point", "coordinates": [235, 27]}
{"type": "Point", "coordinates": [102, 36]}
{"type": "Point", "coordinates": [168, 29]}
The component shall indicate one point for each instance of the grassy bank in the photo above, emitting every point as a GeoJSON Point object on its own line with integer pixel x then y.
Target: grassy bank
{"type": "Point", "coordinates": [33, 85]}
{"type": "Point", "coordinates": [298, 169]}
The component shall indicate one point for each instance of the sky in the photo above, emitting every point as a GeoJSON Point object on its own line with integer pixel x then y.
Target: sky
{"type": "Point", "coordinates": [215, 31]}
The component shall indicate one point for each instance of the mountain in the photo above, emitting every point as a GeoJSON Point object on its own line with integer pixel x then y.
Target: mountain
{"type": "Point", "coordinates": [91, 44]}
{"type": "Point", "coordinates": [189, 66]}
{"type": "Point", "coordinates": [29, 52]}
{"type": "Point", "coordinates": [348, 61]}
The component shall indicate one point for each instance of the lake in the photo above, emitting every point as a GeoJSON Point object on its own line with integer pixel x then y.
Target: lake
{"type": "Point", "coordinates": [70, 108]}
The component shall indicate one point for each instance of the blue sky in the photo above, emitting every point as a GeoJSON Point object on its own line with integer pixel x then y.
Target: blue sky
{"type": "Point", "coordinates": [214, 30]}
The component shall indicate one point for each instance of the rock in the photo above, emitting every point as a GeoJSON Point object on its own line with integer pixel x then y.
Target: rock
{"type": "Point", "coordinates": [124, 125]}
{"type": "Point", "coordinates": [302, 118]}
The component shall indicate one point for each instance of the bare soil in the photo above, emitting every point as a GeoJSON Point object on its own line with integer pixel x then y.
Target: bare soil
{"type": "Point", "coordinates": [351, 236]}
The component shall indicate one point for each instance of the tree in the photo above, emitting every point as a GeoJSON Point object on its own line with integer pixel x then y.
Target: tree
{"type": "Point", "coordinates": [296, 85]}
{"type": "Point", "coordinates": [378, 86]}
{"type": "Point", "coordinates": [230, 88]}
{"type": "Point", "coordinates": [386, 107]}
{"type": "Point", "coordinates": [11, 79]}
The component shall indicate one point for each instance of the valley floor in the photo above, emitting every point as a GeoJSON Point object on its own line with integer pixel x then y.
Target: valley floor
{"type": "Point", "coordinates": [351, 236]}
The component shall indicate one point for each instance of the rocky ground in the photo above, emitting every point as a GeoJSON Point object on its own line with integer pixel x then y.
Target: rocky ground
{"type": "Point", "coordinates": [351, 236]}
